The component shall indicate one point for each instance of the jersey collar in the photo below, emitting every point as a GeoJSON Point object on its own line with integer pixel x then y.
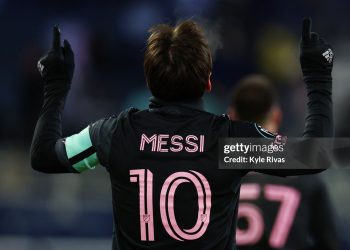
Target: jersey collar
{"type": "Point", "coordinates": [156, 103]}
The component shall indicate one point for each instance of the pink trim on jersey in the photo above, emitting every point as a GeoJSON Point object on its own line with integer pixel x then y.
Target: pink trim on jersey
{"type": "Point", "coordinates": [133, 179]}
{"type": "Point", "coordinates": [146, 218]}
{"type": "Point", "coordinates": [201, 143]}
{"type": "Point", "coordinates": [191, 143]}
{"type": "Point", "coordinates": [253, 233]}
{"type": "Point", "coordinates": [290, 199]}
{"type": "Point", "coordinates": [250, 191]}
{"type": "Point", "coordinates": [161, 143]}
{"type": "Point", "coordinates": [203, 217]}
{"type": "Point", "coordinates": [145, 139]}
{"type": "Point", "coordinates": [170, 208]}
{"type": "Point", "coordinates": [150, 222]}
{"type": "Point", "coordinates": [176, 143]}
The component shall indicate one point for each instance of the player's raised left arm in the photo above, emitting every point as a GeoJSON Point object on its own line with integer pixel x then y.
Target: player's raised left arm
{"type": "Point", "coordinates": [56, 69]}
{"type": "Point", "coordinates": [316, 60]}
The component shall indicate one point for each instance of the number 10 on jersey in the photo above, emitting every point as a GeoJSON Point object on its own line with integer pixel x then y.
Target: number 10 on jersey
{"type": "Point", "coordinates": [166, 204]}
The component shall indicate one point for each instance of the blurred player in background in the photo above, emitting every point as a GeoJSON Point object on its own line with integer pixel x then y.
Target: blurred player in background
{"type": "Point", "coordinates": [278, 213]}
{"type": "Point", "coordinates": [168, 192]}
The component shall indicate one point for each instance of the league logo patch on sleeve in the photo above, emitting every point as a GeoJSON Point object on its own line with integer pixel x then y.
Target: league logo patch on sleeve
{"type": "Point", "coordinates": [265, 133]}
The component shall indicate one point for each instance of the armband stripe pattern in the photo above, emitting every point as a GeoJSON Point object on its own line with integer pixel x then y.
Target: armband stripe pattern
{"type": "Point", "coordinates": [81, 156]}
{"type": "Point", "coordinates": [80, 151]}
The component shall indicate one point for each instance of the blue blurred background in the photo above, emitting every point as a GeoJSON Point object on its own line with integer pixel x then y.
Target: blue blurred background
{"type": "Point", "coordinates": [38, 211]}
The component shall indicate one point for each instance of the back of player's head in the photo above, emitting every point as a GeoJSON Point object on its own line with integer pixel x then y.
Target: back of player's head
{"type": "Point", "coordinates": [253, 98]}
{"type": "Point", "coordinates": [177, 61]}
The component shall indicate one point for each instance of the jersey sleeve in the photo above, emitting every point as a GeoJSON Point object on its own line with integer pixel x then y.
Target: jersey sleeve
{"type": "Point", "coordinates": [90, 147]}
{"type": "Point", "coordinates": [252, 130]}
{"type": "Point", "coordinates": [102, 133]}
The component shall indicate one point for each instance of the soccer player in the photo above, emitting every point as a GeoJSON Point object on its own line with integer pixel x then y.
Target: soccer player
{"type": "Point", "coordinates": [163, 165]}
{"type": "Point", "coordinates": [278, 213]}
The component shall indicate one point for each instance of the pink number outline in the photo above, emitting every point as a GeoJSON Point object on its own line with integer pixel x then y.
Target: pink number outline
{"type": "Point", "coordinates": [167, 208]}
{"type": "Point", "coordinates": [145, 201]}
{"type": "Point", "coordinates": [255, 229]}
{"type": "Point", "coordinates": [289, 198]}
{"type": "Point", "coordinates": [145, 179]}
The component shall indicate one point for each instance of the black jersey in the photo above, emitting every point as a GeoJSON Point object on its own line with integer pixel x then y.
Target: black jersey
{"type": "Point", "coordinates": [285, 213]}
{"type": "Point", "coordinates": [168, 192]}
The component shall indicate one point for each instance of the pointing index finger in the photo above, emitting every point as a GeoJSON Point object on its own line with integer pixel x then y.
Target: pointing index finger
{"type": "Point", "coordinates": [306, 32]}
{"type": "Point", "coordinates": [56, 43]}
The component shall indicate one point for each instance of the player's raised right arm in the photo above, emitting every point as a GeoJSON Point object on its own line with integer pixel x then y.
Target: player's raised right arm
{"type": "Point", "coordinates": [56, 69]}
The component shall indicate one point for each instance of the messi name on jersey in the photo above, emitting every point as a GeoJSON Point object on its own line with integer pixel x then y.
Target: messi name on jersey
{"type": "Point", "coordinates": [172, 143]}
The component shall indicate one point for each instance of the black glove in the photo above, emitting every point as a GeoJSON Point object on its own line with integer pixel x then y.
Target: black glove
{"type": "Point", "coordinates": [316, 58]}
{"type": "Point", "coordinates": [57, 66]}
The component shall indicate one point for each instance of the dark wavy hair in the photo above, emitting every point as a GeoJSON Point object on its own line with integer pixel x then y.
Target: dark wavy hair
{"type": "Point", "coordinates": [177, 61]}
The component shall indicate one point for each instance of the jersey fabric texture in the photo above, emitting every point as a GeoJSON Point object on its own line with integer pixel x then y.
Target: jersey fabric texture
{"type": "Point", "coordinates": [168, 192]}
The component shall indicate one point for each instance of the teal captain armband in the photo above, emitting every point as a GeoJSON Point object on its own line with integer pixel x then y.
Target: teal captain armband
{"type": "Point", "coordinates": [80, 151]}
